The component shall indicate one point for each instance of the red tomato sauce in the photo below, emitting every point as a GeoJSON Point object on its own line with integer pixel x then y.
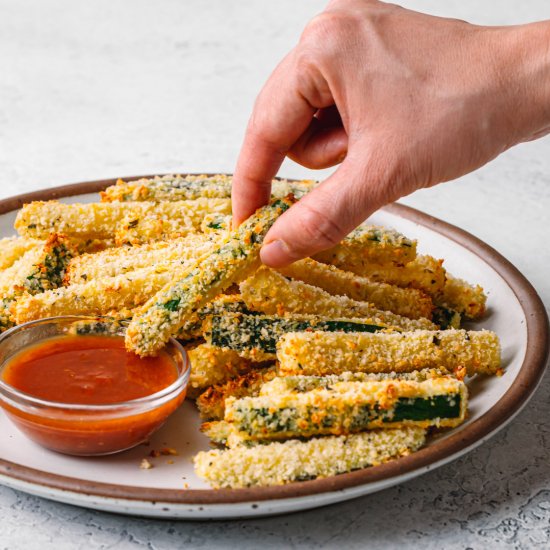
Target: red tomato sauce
{"type": "Point", "coordinates": [88, 370]}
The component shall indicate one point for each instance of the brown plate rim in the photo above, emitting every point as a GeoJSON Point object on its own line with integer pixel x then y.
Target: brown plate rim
{"type": "Point", "coordinates": [511, 402]}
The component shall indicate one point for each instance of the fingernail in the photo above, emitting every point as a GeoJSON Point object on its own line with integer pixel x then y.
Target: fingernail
{"type": "Point", "coordinates": [276, 254]}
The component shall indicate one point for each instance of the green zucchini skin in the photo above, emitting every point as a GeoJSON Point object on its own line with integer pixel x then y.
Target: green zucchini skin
{"type": "Point", "coordinates": [232, 261]}
{"type": "Point", "coordinates": [242, 332]}
{"type": "Point", "coordinates": [438, 406]}
{"type": "Point", "coordinates": [446, 318]}
{"type": "Point", "coordinates": [269, 423]}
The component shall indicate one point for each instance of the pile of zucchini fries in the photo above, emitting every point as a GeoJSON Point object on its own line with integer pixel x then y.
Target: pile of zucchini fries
{"type": "Point", "coordinates": [337, 362]}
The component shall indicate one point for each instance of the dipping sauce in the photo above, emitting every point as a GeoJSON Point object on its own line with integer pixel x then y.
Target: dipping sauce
{"type": "Point", "coordinates": [88, 370]}
{"type": "Point", "coordinates": [97, 398]}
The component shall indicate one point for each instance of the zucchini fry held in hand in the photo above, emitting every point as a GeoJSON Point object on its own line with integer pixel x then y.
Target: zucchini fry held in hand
{"type": "Point", "coordinates": [229, 263]}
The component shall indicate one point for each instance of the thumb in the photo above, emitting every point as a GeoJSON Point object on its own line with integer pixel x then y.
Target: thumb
{"type": "Point", "coordinates": [323, 217]}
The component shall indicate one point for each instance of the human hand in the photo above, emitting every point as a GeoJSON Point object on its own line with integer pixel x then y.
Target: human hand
{"type": "Point", "coordinates": [403, 100]}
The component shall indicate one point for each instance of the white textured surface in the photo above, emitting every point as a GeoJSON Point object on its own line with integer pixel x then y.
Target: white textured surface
{"type": "Point", "coordinates": [101, 89]}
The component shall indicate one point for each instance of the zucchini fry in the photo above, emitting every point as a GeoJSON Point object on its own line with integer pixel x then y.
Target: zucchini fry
{"type": "Point", "coordinates": [13, 248]}
{"type": "Point", "coordinates": [136, 231]}
{"type": "Point", "coordinates": [280, 463]}
{"type": "Point", "coordinates": [350, 407]}
{"type": "Point", "coordinates": [98, 296]}
{"type": "Point", "coordinates": [177, 188]}
{"type": "Point", "coordinates": [461, 296]}
{"type": "Point", "coordinates": [211, 403]}
{"type": "Point", "coordinates": [38, 270]}
{"type": "Point", "coordinates": [211, 365]}
{"type": "Point", "coordinates": [229, 263]}
{"type": "Point", "coordinates": [273, 294]}
{"type": "Point", "coordinates": [216, 223]}
{"type": "Point", "coordinates": [423, 273]}
{"type": "Point", "coordinates": [369, 244]}
{"type": "Point", "coordinates": [224, 304]}
{"type": "Point", "coordinates": [445, 317]}
{"type": "Point", "coordinates": [117, 261]}
{"type": "Point", "coordinates": [256, 336]}
{"type": "Point", "coordinates": [299, 383]}
{"type": "Point", "coordinates": [321, 353]}
{"type": "Point", "coordinates": [103, 220]}
{"type": "Point", "coordinates": [408, 302]}
{"type": "Point", "coordinates": [169, 188]}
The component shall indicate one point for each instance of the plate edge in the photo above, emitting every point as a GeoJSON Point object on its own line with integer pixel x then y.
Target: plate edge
{"type": "Point", "coordinates": [515, 398]}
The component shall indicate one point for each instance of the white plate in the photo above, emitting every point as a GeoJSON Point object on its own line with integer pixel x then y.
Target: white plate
{"type": "Point", "coordinates": [117, 484]}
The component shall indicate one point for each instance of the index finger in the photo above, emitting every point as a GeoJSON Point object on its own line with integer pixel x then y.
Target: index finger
{"type": "Point", "coordinates": [280, 116]}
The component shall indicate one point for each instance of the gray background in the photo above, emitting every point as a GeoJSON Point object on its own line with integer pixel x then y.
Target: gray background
{"type": "Point", "coordinates": [111, 88]}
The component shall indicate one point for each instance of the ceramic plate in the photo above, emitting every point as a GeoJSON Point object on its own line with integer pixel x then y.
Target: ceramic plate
{"type": "Point", "coordinates": [170, 489]}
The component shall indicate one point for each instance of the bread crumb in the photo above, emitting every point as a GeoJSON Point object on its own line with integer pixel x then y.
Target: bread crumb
{"type": "Point", "coordinates": [145, 464]}
{"type": "Point", "coordinates": [166, 451]}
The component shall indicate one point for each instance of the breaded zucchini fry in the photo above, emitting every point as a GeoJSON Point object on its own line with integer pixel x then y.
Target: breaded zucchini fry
{"type": "Point", "coordinates": [117, 261]}
{"type": "Point", "coordinates": [37, 271]}
{"type": "Point", "coordinates": [40, 268]}
{"type": "Point", "coordinates": [229, 263]}
{"type": "Point", "coordinates": [350, 407]}
{"type": "Point", "coordinates": [321, 353]}
{"type": "Point", "coordinates": [270, 292]}
{"type": "Point", "coordinates": [408, 302]}
{"type": "Point", "coordinates": [136, 231]}
{"type": "Point", "coordinates": [98, 296]}
{"type": "Point", "coordinates": [299, 383]}
{"type": "Point", "coordinates": [216, 223]}
{"type": "Point", "coordinates": [445, 317]}
{"type": "Point", "coordinates": [369, 244]}
{"type": "Point", "coordinates": [293, 460]}
{"type": "Point", "coordinates": [211, 403]}
{"type": "Point", "coordinates": [423, 273]}
{"type": "Point", "coordinates": [256, 336]}
{"type": "Point", "coordinates": [211, 365]}
{"type": "Point", "coordinates": [169, 188]}
{"type": "Point", "coordinates": [103, 220]}
{"type": "Point", "coordinates": [13, 248]}
{"type": "Point", "coordinates": [459, 295]}
{"type": "Point", "coordinates": [222, 305]}
{"type": "Point", "coordinates": [177, 188]}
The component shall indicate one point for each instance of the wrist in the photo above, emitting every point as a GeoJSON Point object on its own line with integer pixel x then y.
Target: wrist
{"type": "Point", "coordinates": [525, 66]}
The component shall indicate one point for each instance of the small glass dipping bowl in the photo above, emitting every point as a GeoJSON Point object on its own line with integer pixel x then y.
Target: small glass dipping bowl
{"type": "Point", "coordinates": [86, 430]}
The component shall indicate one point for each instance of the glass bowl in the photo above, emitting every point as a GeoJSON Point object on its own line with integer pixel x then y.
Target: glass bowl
{"type": "Point", "coordinates": [86, 430]}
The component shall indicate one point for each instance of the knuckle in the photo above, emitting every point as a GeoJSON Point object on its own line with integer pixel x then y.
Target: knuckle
{"type": "Point", "coordinates": [328, 30]}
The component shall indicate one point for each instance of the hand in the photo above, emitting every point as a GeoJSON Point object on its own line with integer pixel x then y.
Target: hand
{"type": "Point", "coordinates": [401, 99]}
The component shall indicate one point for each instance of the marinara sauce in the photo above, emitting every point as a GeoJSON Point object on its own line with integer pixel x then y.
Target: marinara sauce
{"type": "Point", "coordinates": [90, 370]}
